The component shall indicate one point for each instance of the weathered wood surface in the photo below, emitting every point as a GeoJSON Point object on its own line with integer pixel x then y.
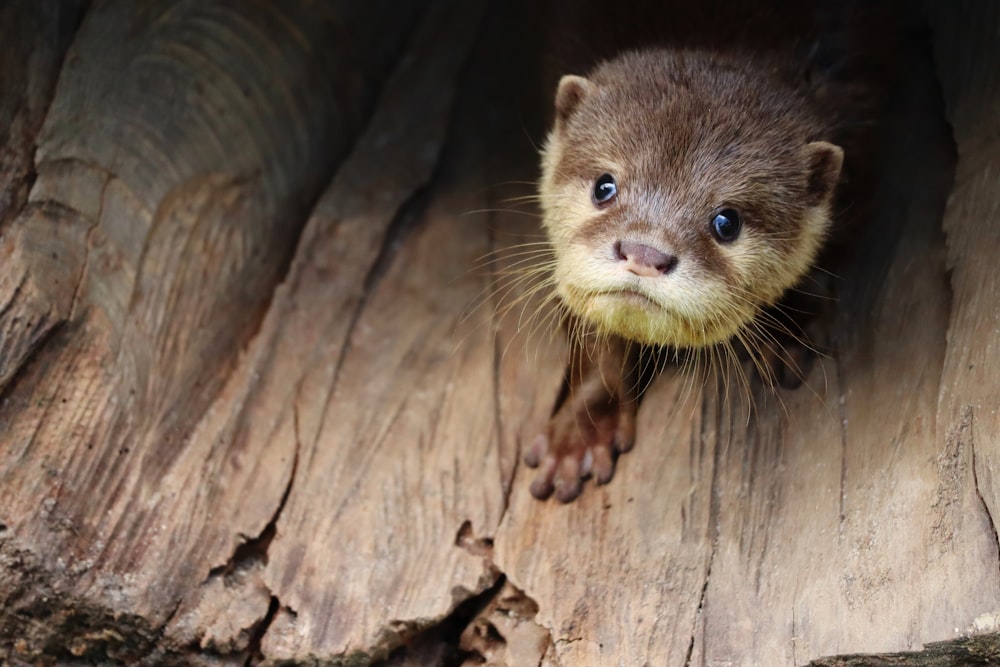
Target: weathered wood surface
{"type": "Point", "coordinates": [35, 39]}
{"type": "Point", "coordinates": [250, 413]}
{"type": "Point", "coordinates": [185, 146]}
{"type": "Point", "coordinates": [854, 517]}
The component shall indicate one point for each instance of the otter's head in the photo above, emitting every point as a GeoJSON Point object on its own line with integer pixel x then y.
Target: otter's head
{"type": "Point", "coordinates": [682, 194]}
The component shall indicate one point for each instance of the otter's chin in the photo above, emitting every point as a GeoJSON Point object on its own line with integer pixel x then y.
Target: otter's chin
{"type": "Point", "coordinates": [635, 316]}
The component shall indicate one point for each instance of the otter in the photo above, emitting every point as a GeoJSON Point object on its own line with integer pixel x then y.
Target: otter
{"type": "Point", "coordinates": [692, 178]}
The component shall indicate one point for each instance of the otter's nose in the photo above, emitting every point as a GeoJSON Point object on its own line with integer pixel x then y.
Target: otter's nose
{"type": "Point", "coordinates": [644, 260]}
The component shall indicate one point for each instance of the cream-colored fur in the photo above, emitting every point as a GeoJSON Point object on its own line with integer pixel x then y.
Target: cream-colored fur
{"type": "Point", "coordinates": [689, 308]}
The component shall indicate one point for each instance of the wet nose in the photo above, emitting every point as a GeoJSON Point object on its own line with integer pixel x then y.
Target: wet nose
{"type": "Point", "coordinates": [644, 260]}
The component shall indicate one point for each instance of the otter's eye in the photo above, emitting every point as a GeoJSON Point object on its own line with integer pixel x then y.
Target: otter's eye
{"type": "Point", "coordinates": [726, 225]}
{"type": "Point", "coordinates": [605, 190]}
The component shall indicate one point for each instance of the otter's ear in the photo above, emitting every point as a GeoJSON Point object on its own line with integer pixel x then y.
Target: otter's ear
{"type": "Point", "coordinates": [572, 90]}
{"type": "Point", "coordinates": [825, 161]}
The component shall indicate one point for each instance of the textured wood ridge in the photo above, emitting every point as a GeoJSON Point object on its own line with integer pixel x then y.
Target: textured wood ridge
{"type": "Point", "coordinates": [259, 406]}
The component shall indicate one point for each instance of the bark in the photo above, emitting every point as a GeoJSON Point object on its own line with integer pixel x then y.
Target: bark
{"type": "Point", "coordinates": [266, 377]}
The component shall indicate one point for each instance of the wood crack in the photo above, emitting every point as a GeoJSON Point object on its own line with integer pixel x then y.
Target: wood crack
{"type": "Point", "coordinates": [253, 553]}
{"type": "Point", "coordinates": [481, 547]}
{"type": "Point", "coordinates": [255, 655]}
{"type": "Point", "coordinates": [713, 521]}
{"type": "Point", "coordinates": [255, 550]}
{"type": "Point", "coordinates": [491, 626]}
{"type": "Point", "coordinates": [407, 213]}
{"type": "Point", "coordinates": [440, 643]}
{"type": "Point", "coordinates": [701, 604]}
{"type": "Point", "coordinates": [795, 660]}
{"type": "Point", "coordinates": [506, 484]}
{"type": "Point", "coordinates": [155, 654]}
{"type": "Point", "coordinates": [969, 418]}
{"type": "Point", "coordinates": [842, 427]}
{"type": "Point", "coordinates": [14, 295]}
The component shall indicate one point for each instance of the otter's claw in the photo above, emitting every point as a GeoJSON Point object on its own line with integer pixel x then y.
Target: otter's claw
{"type": "Point", "coordinates": [583, 438]}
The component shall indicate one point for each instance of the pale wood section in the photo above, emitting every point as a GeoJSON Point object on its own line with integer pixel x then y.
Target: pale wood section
{"type": "Point", "coordinates": [268, 372]}
{"type": "Point", "coordinates": [395, 451]}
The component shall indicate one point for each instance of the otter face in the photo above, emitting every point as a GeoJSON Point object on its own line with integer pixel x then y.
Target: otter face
{"type": "Point", "coordinates": [682, 194]}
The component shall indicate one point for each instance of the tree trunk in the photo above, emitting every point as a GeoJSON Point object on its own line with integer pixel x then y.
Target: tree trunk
{"type": "Point", "coordinates": [262, 402]}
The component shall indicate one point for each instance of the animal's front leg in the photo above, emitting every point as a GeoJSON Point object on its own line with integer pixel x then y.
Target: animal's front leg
{"type": "Point", "coordinates": [594, 422]}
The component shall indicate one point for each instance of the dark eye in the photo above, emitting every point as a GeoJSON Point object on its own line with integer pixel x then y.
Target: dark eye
{"type": "Point", "coordinates": [726, 225]}
{"type": "Point", "coordinates": [605, 190]}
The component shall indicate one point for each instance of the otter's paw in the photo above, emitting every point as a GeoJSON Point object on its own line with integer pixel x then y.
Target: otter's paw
{"type": "Point", "coordinates": [582, 439]}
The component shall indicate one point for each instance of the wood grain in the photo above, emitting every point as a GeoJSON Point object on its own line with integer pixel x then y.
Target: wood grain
{"type": "Point", "coordinates": [34, 37]}
{"type": "Point", "coordinates": [968, 44]}
{"type": "Point", "coordinates": [178, 187]}
{"type": "Point", "coordinates": [267, 376]}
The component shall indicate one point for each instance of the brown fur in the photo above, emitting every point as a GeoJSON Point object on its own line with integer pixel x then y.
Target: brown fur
{"type": "Point", "coordinates": [687, 133]}
{"type": "Point", "coordinates": [692, 130]}
{"type": "Point", "coordinates": [695, 106]}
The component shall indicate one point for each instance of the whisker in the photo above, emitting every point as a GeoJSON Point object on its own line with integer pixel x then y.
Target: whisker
{"type": "Point", "coordinates": [515, 211]}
